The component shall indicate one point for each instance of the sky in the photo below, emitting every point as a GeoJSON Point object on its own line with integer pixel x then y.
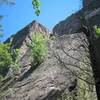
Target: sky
{"type": "Point", "coordinates": [22, 13]}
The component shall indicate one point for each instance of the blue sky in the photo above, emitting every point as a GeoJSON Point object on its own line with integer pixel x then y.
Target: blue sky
{"type": "Point", "coordinates": [52, 11]}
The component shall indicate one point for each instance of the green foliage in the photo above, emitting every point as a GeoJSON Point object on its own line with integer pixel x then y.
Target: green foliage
{"type": "Point", "coordinates": [38, 48]}
{"type": "Point", "coordinates": [6, 58]}
{"type": "Point", "coordinates": [15, 53]}
{"type": "Point", "coordinates": [97, 30]}
{"type": "Point", "coordinates": [1, 78]}
{"type": "Point", "coordinates": [36, 4]}
{"type": "Point", "coordinates": [86, 83]}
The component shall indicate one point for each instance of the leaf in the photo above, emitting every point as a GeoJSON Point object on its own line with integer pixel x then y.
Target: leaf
{"type": "Point", "coordinates": [36, 4]}
{"type": "Point", "coordinates": [38, 47]}
{"type": "Point", "coordinates": [97, 30]}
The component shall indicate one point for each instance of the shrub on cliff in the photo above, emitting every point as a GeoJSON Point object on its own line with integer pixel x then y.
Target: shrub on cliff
{"type": "Point", "coordinates": [6, 58]}
{"type": "Point", "coordinates": [97, 30]}
{"type": "Point", "coordinates": [38, 48]}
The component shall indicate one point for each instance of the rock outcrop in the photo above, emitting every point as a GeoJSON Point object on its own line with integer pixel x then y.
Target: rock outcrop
{"type": "Point", "coordinates": [22, 35]}
{"type": "Point", "coordinates": [66, 73]}
{"type": "Point", "coordinates": [20, 38]}
{"type": "Point", "coordinates": [70, 25]}
{"type": "Point", "coordinates": [90, 13]}
{"type": "Point", "coordinates": [84, 20]}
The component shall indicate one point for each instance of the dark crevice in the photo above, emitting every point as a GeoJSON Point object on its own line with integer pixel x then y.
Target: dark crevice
{"type": "Point", "coordinates": [95, 60]}
{"type": "Point", "coordinates": [96, 68]}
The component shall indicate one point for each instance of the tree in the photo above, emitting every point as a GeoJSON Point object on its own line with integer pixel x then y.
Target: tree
{"type": "Point", "coordinates": [97, 30]}
{"type": "Point", "coordinates": [9, 59]}
{"type": "Point", "coordinates": [36, 5]}
{"type": "Point", "coordinates": [5, 58]}
{"type": "Point", "coordinates": [38, 48]}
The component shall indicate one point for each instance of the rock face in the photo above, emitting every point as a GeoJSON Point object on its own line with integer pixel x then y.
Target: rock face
{"type": "Point", "coordinates": [19, 39]}
{"type": "Point", "coordinates": [88, 16]}
{"type": "Point", "coordinates": [22, 35]}
{"type": "Point", "coordinates": [90, 12]}
{"type": "Point", "coordinates": [66, 73]}
{"type": "Point", "coordinates": [63, 72]}
{"type": "Point", "coordinates": [69, 25]}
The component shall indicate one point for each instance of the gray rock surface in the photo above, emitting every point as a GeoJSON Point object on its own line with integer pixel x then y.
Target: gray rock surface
{"type": "Point", "coordinates": [72, 24]}
{"type": "Point", "coordinates": [59, 75]}
{"type": "Point", "coordinates": [93, 17]}
{"type": "Point", "coordinates": [66, 73]}
{"type": "Point", "coordinates": [20, 38]}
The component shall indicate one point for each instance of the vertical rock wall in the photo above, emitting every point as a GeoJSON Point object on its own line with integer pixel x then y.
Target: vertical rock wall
{"type": "Point", "coordinates": [90, 12]}
{"type": "Point", "coordinates": [66, 74]}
